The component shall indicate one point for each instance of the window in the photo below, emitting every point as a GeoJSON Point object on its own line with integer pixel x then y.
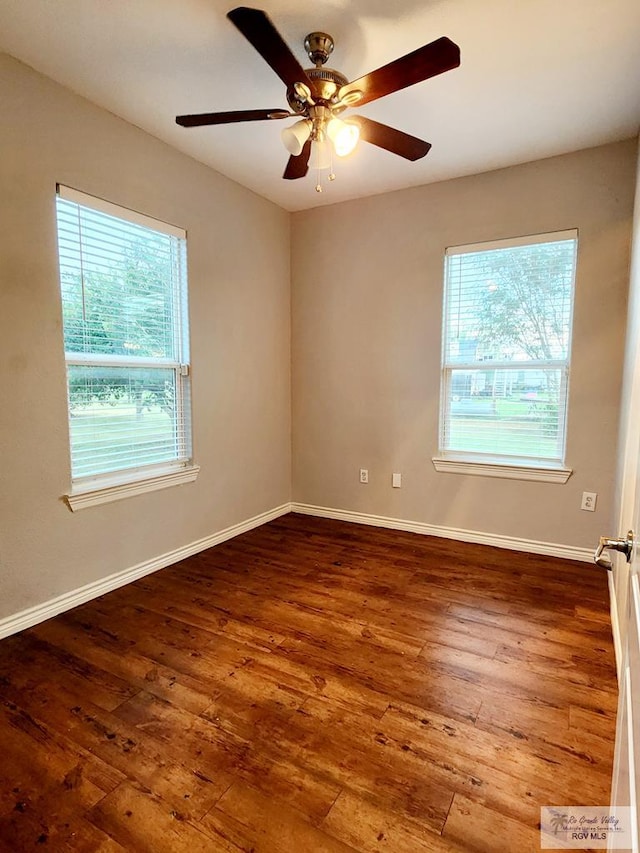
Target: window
{"type": "Point", "coordinates": [124, 304]}
{"type": "Point", "coordinates": [506, 346]}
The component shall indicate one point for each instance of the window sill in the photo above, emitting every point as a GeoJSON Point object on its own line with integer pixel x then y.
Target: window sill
{"type": "Point", "coordinates": [115, 489]}
{"type": "Point", "coordinates": [500, 469]}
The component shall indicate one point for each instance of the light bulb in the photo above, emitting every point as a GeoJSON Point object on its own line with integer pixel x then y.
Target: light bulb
{"type": "Point", "coordinates": [294, 137]}
{"type": "Point", "coordinates": [343, 135]}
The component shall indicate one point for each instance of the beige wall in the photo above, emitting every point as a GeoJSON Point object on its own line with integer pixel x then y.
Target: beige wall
{"type": "Point", "coordinates": [238, 251]}
{"type": "Point", "coordinates": [366, 333]}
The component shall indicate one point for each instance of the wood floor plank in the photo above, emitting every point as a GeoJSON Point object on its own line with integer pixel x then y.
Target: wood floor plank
{"type": "Point", "coordinates": [42, 662]}
{"type": "Point", "coordinates": [316, 686]}
{"type": "Point", "coordinates": [597, 722]}
{"type": "Point", "coordinates": [543, 622]}
{"type": "Point", "coordinates": [185, 781]}
{"type": "Point", "coordinates": [430, 736]}
{"type": "Point", "coordinates": [517, 675]}
{"type": "Point", "coordinates": [353, 749]}
{"type": "Point", "coordinates": [259, 761]}
{"type": "Point", "coordinates": [312, 675]}
{"type": "Point", "coordinates": [584, 747]}
{"type": "Point", "coordinates": [45, 789]}
{"type": "Point", "coordinates": [370, 828]}
{"type": "Point", "coordinates": [596, 676]}
{"type": "Point", "coordinates": [180, 599]}
{"type": "Point", "coordinates": [269, 622]}
{"type": "Point", "coordinates": [273, 826]}
{"type": "Point", "coordinates": [481, 830]}
{"type": "Point", "coordinates": [55, 759]}
{"type": "Point", "coordinates": [141, 821]}
{"type": "Point", "coordinates": [123, 661]}
{"type": "Point", "coordinates": [472, 776]}
{"type": "Point", "coordinates": [421, 682]}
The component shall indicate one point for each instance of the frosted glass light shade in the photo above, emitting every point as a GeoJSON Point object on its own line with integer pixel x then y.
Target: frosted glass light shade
{"type": "Point", "coordinates": [344, 136]}
{"type": "Point", "coordinates": [294, 137]}
{"type": "Point", "coordinates": [321, 155]}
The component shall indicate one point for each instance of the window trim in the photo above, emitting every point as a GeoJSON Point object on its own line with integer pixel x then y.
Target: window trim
{"type": "Point", "coordinates": [503, 470]}
{"type": "Point", "coordinates": [490, 465]}
{"type": "Point", "coordinates": [100, 488]}
{"type": "Point", "coordinates": [514, 242]}
{"type": "Point", "coordinates": [105, 489]}
{"type": "Point", "coordinates": [118, 211]}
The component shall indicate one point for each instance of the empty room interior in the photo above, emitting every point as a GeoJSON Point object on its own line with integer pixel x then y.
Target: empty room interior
{"type": "Point", "coordinates": [322, 333]}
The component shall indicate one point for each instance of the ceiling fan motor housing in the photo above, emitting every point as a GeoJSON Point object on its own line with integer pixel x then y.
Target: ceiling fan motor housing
{"type": "Point", "coordinates": [326, 84]}
{"type": "Point", "coordinates": [326, 81]}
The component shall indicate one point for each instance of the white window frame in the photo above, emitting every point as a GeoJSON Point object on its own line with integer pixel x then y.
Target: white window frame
{"type": "Point", "coordinates": [496, 465]}
{"type": "Point", "coordinates": [97, 489]}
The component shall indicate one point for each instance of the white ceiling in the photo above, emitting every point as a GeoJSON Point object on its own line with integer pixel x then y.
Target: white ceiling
{"type": "Point", "coordinates": [537, 78]}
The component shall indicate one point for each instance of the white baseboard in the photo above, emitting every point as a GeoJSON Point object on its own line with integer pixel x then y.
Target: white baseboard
{"type": "Point", "coordinates": [569, 552]}
{"type": "Point", "coordinates": [66, 601]}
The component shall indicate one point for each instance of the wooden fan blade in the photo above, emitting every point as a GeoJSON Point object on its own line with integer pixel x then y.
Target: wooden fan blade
{"type": "Point", "coordinates": [428, 61]}
{"type": "Point", "coordinates": [256, 27]}
{"type": "Point", "coordinates": [227, 118]}
{"type": "Point", "coordinates": [396, 141]}
{"type": "Point", "coordinates": [297, 167]}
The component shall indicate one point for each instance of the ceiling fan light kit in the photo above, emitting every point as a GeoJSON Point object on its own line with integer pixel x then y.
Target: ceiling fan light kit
{"type": "Point", "coordinates": [318, 96]}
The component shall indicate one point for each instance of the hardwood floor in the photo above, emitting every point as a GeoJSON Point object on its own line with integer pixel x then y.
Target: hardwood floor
{"type": "Point", "coordinates": [313, 687]}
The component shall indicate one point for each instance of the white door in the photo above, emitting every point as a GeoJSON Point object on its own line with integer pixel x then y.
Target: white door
{"type": "Point", "coordinates": [625, 576]}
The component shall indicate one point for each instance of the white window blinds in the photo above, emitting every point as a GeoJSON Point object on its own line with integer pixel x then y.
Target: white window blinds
{"type": "Point", "coordinates": [124, 301]}
{"type": "Point", "coordinates": [506, 348]}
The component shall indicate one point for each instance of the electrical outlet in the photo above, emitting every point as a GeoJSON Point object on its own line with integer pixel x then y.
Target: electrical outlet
{"type": "Point", "coordinates": [364, 475]}
{"type": "Point", "coordinates": [589, 501]}
{"type": "Point", "coordinates": [396, 480]}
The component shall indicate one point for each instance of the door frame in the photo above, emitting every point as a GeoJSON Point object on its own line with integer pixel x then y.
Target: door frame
{"type": "Point", "coordinates": [624, 584]}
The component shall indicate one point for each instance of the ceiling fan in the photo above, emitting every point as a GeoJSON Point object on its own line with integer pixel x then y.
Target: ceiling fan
{"type": "Point", "coordinates": [318, 96]}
